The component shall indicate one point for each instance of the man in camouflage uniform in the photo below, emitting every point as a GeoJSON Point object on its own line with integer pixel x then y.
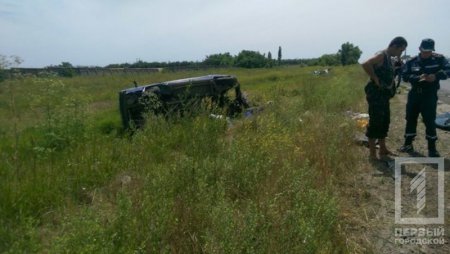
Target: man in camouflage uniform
{"type": "Point", "coordinates": [424, 73]}
{"type": "Point", "coordinates": [379, 90]}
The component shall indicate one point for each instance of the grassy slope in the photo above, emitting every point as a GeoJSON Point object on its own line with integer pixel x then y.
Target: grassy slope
{"type": "Point", "coordinates": [70, 183]}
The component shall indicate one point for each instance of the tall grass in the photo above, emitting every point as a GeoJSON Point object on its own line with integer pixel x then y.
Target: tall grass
{"type": "Point", "coordinates": [70, 181]}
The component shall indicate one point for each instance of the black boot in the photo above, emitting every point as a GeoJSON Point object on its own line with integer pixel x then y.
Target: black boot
{"type": "Point", "coordinates": [407, 146]}
{"type": "Point", "coordinates": [432, 152]}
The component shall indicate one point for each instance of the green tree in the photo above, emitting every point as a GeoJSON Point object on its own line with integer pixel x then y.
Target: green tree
{"type": "Point", "coordinates": [219, 60]}
{"type": "Point", "coordinates": [329, 60]}
{"type": "Point", "coordinates": [250, 59]}
{"type": "Point", "coordinates": [269, 60]}
{"type": "Point", "coordinates": [2, 75]}
{"type": "Point", "coordinates": [7, 62]}
{"type": "Point", "coordinates": [65, 69]}
{"type": "Point", "coordinates": [139, 64]}
{"type": "Point", "coordinates": [2, 68]}
{"type": "Point", "coordinates": [349, 53]}
{"type": "Point", "coordinates": [66, 65]}
{"type": "Point", "coordinates": [279, 55]}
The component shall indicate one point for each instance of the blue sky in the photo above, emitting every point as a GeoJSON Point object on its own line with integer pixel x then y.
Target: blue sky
{"type": "Point", "coordinates": [100, 32]}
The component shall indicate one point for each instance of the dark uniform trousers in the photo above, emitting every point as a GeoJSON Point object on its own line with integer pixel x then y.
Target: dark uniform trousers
{"type": "Point", "coordinates": [421, 100]}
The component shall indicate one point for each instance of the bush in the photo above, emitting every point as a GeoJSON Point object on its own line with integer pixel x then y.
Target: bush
{"type": "Point", "coordinates": [222, 60]}
{"type": "Point", "coordinates": [250, 59]}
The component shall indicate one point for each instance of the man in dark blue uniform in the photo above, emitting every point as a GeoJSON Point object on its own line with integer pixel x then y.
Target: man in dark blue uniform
{"type": "Point", "coordinates": [424, 73]}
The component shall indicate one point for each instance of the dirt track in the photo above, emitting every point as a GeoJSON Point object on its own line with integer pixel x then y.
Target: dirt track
{"type": "Point", "coordinates": [372, 192]}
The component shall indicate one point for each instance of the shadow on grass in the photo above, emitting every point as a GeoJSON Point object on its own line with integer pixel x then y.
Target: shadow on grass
{"type": "Point", "coordinates": [384, 168]}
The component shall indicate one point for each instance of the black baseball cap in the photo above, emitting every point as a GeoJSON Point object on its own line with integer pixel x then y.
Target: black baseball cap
{"type": "Point", "coordinates": [427, 45]}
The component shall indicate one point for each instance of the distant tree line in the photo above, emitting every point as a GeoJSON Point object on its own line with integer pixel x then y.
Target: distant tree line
{"type": "Point", "coordinates": [245, 59]}
{"type": "Point", "coordinates": [346, 55]}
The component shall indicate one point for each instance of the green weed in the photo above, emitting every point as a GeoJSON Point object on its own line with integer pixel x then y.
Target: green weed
{"type": "Point", "coordinates": [71, 182]}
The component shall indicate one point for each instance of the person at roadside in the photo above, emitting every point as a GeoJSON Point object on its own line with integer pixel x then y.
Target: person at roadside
{"type": "Point", "coordinates": [378, 93]}
{"type": "Point", "coordinates": [424, 72]}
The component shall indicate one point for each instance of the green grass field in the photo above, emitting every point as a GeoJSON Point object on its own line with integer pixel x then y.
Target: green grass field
{"type": "Point", "coordinates": [72, 182]}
